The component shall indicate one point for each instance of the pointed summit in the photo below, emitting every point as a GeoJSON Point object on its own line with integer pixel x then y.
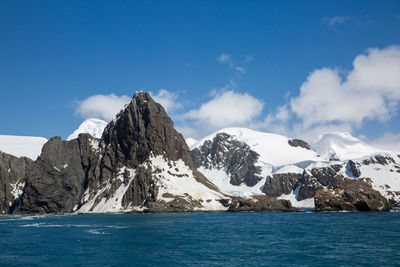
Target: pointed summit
{"type": "Point", "coordinates": [144, 127]}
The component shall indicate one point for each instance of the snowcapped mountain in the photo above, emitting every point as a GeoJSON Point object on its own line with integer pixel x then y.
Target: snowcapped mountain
{"type": "Point", "coordinates": [190, 141]}
{"type": "Point", "coordinates": [273, 149]}
{"type": "Point", "coordinates": [22, 146]}
{"type": "Point", "coordinates": [238, 160]}
{"type": "Point", "coordinates": [244, 162]}
{"type": "Point", "coordinates": [94, 127]}
{"type": "Point", "coordinates": [342, 146]}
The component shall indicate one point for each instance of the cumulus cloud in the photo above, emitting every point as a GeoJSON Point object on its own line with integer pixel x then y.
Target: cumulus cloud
{"type": "Point", "coordinates": [101, 106]}
{"type": "Point", "coordinates": [334, 20]}
{"type": "Point", "coordinates": [167, 99]}
{"type": "Point", "coordinates": [228, 108]}
{"type": "Point", "coordinates": [371, 90]}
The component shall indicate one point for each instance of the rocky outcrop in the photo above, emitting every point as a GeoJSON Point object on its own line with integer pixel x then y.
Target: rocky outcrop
{"type": "Point", "coordinates": [259, 203]}
{"type": "Point", "coordinates": [317, 178]}
{"type": "Point", "coordinates": [235, 157]}
{"type": "Point", "coordinates": [306, 184]}
{"type": "Point", "coordinates": [299, 143]}
{"type": "Point", "coordinates": [352, 169]}
{"type": "Point", "coordinates": [281, 183]}
{"type": "Point", "coordinates": [351, 195]}
{"type": "Point", "coordinates": [13, 173]}
{"type": "Point", "coordinates": [57, 180]}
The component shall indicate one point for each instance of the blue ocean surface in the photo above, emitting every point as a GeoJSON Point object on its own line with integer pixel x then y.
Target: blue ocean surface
{"type": "Point", "coordinates": [202, 239]}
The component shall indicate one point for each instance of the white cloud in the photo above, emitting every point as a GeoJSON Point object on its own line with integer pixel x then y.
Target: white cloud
{"type": "Point", "coordinates": [334, 20]}
{"type": "Point", "coordinates": [370, 91]}
{"type": "Point", "coordinates": [240, 69]}
{"type": "Point", "coordinates": [227, 59]}
{"type": "Point", "coordinates": [167, 99]}
{"type": "Point", "coordinates": [101, 106]}
{"type": "Point", "coordinates": [389, 141]}
{"type": "Point", "coordinates": [228, 108]}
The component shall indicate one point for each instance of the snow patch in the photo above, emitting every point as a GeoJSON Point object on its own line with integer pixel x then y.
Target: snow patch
{"type": "Point", "coordinates": [292, 196]}
{"type": "Point", "coordinates": [111, 204]}
{"type": "Point", "coordinates": [190, 141]}
{"type": "Point", "coordinates": [176, 178]}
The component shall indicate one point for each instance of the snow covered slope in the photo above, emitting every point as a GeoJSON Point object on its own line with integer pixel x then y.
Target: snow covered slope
{"type": "Point", "coordinates": [190, 141]}
{"type": "Point", "coordinates": [94, 127]}
{"type": "Point", "coordinates": [22, 146]}
{"type": "Point", "coordinates": [342, 146]}
{"type": "Point", "coordinates": [244, 162]}
{"type": "Point", "coordinates": [238, 160]}
{"type": "Point", "coordinates": [274, 149]}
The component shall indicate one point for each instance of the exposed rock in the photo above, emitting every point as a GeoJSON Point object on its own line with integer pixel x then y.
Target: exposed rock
{"type": "Point", "coordinates": [258, 203]}
{"type": "Point", "coordinates": [57, 179]}
{"type": "Point", "coordinates": [310, 181]}
{"type": "Point", "coordinates": [351, 195]}
{"type": "Point", "coordinates": [352, 169]}
{"type": "Point", "coordinates": [282, 183]}
{"type": "Point", "coordinates": [13, 171]}
{"type": "Point", "coordinates": [318, 178]}
{"type": "Point", "coordinates": [380, 159]}
{"type": "Point", "coordinates": [142, 128]}
{"type": "Point", "coordinates": [225, 152]}
{"type": "Point", "coordinates": [299, 143]}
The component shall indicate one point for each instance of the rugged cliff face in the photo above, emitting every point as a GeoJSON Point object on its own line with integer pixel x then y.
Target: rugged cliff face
{"type": "Point", "coordinates": [142, 128]}
{"type": "Point", "coordinates": [13, 171]}
{"type": "Point", "coordinates": [235, 157]}
{"type": "Point", "coordinates": [57, 180]}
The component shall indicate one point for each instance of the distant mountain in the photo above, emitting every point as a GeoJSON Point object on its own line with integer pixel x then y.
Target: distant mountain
{"type": "Point", "coordinates": [244, 162]}
{"type": "Point", "coordinates": [22, 146]}
{"type": "Point", "coordinates": [94, 127]}
{"type": "Point", "coordinates": [238, 160]}
{"type": "Point", "coordinates": [342, 146]}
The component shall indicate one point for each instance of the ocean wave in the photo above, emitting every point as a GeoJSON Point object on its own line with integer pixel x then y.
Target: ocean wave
{"type": "Point", "coordinates": [96, 232]}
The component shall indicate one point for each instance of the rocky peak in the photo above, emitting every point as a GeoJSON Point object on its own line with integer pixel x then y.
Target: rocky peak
{"type": "Point", "coordinates": [141, 128]}
{"type": "Point", "coordinates": [235, 157]}
{"type": "Point", "coordinates": [299, 143]}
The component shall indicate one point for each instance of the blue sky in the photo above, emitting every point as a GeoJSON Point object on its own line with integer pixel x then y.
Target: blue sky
{"type": "Point", "coordinates": [246, 56]}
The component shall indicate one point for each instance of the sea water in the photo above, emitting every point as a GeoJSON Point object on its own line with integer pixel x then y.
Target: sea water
{"type": "Point", "coordinates": [203, 239]}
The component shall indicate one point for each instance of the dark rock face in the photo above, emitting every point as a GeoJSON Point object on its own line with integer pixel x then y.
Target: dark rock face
{"type": "Point", "coordinates": [299, 143]}
{"type": "Point", "coordinates": [352, 169]}
{"type": "Point", "coordinates": [259, 203]}
{"type": "Point", "coordinates": [143, 127]}
{"type": "Point", "coordinates": [309, 182]}
{"type": "Point", "coordinates": [380, 159]}
{"type": "Point", "coordinates": [13, 172]}
{"type": "Point", "coordinates": [57, 179]}
{"type": "Point", "coordinates": [351, 195]}
{"type": "Point", "coordinates": [282, 183]}
{"type": "Point", "coordinates": [225, 152]}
